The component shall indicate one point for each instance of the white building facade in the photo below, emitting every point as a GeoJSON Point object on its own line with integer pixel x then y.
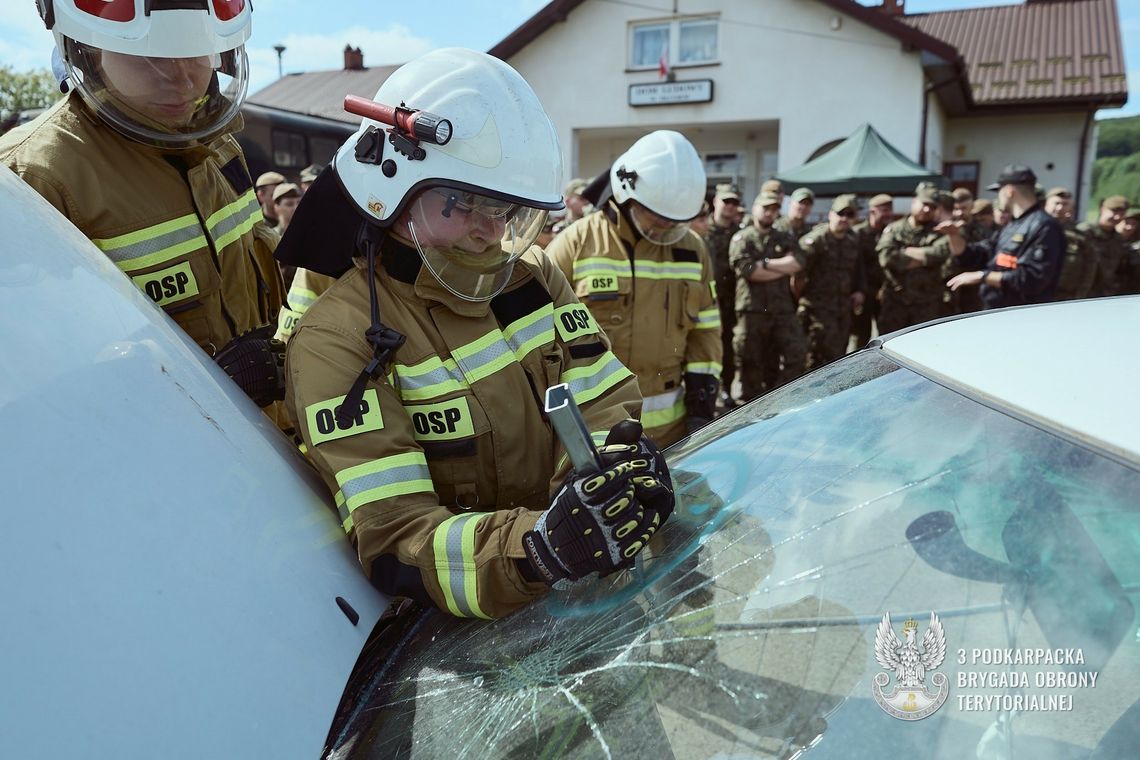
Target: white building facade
{"type": "Point", "coordinates": [764, 86]}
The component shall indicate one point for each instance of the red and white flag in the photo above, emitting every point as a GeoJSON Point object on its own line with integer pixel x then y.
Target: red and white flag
{"type": "Point", "coordinates": [663, 64]}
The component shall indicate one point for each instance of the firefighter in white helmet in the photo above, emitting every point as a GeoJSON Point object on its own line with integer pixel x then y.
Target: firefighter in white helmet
{"type": "Point", "coordinates": [140, 157]}
{"type": "Point", "coordinates": [647, 279]}
{"type": "Point", "coordinates": [416, 379]}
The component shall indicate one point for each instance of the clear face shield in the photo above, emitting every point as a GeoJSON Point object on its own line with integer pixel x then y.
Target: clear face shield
{"type": "Point", "coordinates": [166, 102]}
{"type": "Point", "coordinates": [470, 242]}
{"type": "Point", "coordinates": [656, 228]}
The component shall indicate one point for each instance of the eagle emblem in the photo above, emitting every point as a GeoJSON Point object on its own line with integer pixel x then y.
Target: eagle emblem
{"type": "Point", "coordinates": [910, 699]}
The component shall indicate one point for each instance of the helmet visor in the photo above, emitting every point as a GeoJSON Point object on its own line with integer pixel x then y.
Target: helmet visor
{"type": "Point", "coordinates": [167, 102]}
{"type": "Point", "coordinates": [656, 228]}
{"type": "Point", "coordinates": [470, 242]}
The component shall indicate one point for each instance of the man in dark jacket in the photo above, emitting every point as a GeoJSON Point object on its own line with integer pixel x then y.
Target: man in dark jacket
{"type": "Point", "coordinates": [1022, 265]}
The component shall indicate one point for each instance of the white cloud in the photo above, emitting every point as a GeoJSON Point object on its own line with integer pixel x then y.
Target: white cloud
{"type": "Point", "coordinates": [321, 52]}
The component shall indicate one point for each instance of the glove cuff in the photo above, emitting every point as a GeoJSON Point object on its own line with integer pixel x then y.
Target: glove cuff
{"type": "Point", "coordinates": [544, 565]}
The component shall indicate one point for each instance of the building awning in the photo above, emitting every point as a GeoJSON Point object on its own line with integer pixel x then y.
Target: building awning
{"type": "Point", "coordinates": [863, 163]}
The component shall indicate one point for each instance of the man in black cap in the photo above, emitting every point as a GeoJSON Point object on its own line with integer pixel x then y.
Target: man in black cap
{"type": "Point", "coordinates": [1022, 265]}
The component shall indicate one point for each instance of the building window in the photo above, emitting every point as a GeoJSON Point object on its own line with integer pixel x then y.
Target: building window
{"type": "Point", "coordinates": [683, 42]}
{"type": "Point", "coordinates": [289, 149]}
{"type": "Point", "coordinates": [962, 174]}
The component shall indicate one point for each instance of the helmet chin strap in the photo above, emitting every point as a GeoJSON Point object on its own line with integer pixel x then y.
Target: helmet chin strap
{"type": "Point", "coordinates": [385, 341]}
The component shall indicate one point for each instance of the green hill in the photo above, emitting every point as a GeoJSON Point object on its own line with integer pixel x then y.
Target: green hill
{"type": "Point", "coordinates": [1116, 170]}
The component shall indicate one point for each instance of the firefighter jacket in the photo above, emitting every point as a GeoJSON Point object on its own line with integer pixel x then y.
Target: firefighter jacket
{"type": "Point", "coordinates": [656, 303]}
{"type": "Point", "coordinates": [747, 251]}
{"type": "Point", "coordinates": [306, 288]}
{"type": "Point", "coordinates": [450, 460]}
{"type": "Point", "coordinates": [922, 284]}
{"type": "Point", "coordinates": [184, 225]}
{"type": "Point", "coordinates": [833, 269]}
{"type": "Point", "coordinates": [1029, 252]}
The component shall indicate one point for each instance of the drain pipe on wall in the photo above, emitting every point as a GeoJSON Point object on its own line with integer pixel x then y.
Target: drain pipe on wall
{"type": "Point", "coordinates": [1078, 193]}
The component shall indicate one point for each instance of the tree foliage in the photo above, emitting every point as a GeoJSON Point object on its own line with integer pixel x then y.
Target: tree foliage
{"type": "Point", "coordinates": [1116, 175]}
{"type": "Point", "coordinates": [1118, 137]}
{"type": "Point", "coordinates": [22, 90]}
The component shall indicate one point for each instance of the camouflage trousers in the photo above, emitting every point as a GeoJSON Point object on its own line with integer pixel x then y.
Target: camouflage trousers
{"type": "Point", "coordinates": [827, 334]}
{"type": "Point", "coordinates": [727, 326]}
{"type": "Point", "coordinates": [763, 339]}
{"type": "Point", "coordinates": [897, 315]}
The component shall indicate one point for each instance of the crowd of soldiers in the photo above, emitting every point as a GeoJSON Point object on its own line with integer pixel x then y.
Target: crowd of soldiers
{"type": "Point", "coordinates": [793, 296]}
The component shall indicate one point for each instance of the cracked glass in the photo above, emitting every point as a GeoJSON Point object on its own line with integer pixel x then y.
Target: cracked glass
{"type": "Point", "coordinates": [749, 629]}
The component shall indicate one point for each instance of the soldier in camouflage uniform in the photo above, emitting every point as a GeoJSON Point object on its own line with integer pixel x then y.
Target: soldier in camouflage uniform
{"type": "Point", "coordinates": [767, 330]}
{"type": "Point", "coordinates": [796, 222]}
{"type": "Point", "coordinates": [912, 252]}
{"type": "Point", "coordinates": [879, 215]}
{"type": "Point", "coordinates": [835, 282]}
{"type": "Point", "coordinates": [727, 211]}
{"type": "Point", "coordinates": [1103, 238]}
{"type": "Point", "coordinates": [982, 213]}
{"type": "Point", "coordinates": [1078, 267]}
{"type": "Point", "coordinates": [965, 299]}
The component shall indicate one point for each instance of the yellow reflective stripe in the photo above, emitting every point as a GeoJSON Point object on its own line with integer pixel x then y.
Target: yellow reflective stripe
{"type": "Point", "coordinates": [454, 545]}
{"type": "Point", "coordinates": [301, 298]}
{"type": "Point", "coordinates": [588, 382]}
{"type": "Point", "coordinates": [153, 245]}
{"type": "Point", "coordinates": [528, 333]}
{"type": "Point", "coordinates": [342, 510]}
{"type": "Point", "coordinates": [385, 478]}
{"type": "Point", "coordinates": [233, 220]}
{"type": "Point", "coordinates": [600, 265]}
{"type": "Point", "coordinates": [712, 288]}
{"type": "Point", "coordinates": [662, 409]}
{"type": "Point", "coordinates": [708, 319]}
{"type": "Point", "coordinates": [484, 356]}
{"type": "Point", "coordinates": [428, 379]}
{"type": "Point", "coordinates": [705, 368]}
{"type": "Point", "coordinates": [667, 270]}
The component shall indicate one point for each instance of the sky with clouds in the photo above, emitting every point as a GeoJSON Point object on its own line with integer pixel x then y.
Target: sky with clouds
{"type": "Point", "coordinates": [314, 33]}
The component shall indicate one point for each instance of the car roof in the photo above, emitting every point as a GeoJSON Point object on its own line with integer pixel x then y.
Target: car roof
{"type": "Point", "coordinates": [1070, 366]}
{"type": "Point", "coordinates": [175, 580]}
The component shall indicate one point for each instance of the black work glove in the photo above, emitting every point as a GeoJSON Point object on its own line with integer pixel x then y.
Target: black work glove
{"type": "Point", "coordinates": [256, 362]}
{"type": "Point", "coordinates": [598, 522]}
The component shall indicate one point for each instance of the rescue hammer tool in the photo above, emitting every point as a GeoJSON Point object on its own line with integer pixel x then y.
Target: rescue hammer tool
{"type": "Point", "coordinates": [570, 427]}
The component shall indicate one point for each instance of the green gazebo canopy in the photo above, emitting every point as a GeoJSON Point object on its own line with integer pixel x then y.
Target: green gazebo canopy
{"type": "Point", "coordinates": [863, 163]}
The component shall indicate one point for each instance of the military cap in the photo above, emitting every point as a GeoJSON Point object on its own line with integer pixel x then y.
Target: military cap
{"type": "Point", "coordinates": [882, 199]}
{"type": "Point", "coordinates": [926, 192]}
{"type": "Point", "coordinates": [844, 203]}
{"type": "Point", "coordinates": [310, 172]}
{"type": "Point", "coordinates": [1133, 212]}
{"type": "Point", "coordinates": [727, 191]}
{"type": "Point", "coordinates": [286, 189]}
{"type": "Point", "coordinates": [766, 198]}
{"type": "Point", "coordinates": [803, 194]}
{"type": "Point", "coordinates": [575, 187]}
{"type": "Point", "coordinates": [962, 194]}
{"type": "Point", "coordinates": [772, 186]}
{"type": "Point", "coordinates": [1014, 174]}
{"type": "Point", "coordinates": [981, 206]}
{"type": "Point", "coordinates": [1058, 192]}
{"type": "Point", "coordinates": [1115, 202]}
{"type": "Point", "coordinates": [269, 178]}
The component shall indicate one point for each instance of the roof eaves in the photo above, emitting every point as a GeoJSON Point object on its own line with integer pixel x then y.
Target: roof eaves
{"type": "Point", "coordinates": [533, 27]}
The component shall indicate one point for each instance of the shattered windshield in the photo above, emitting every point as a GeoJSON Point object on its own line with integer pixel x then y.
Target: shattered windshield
{"type": "Point", "coordinates": [823, 535]}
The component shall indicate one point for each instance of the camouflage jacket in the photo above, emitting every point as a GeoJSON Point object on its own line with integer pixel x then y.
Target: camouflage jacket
{"type": "Point", "coordinates": [1109, 250]}
{"type": "Point", "coordinates": [717, 241]}
{"type": "Point", "coordinates": [868, 239]}
{"type": "Point", "coordinates": [748, 248]}
{"type": "Point", "coordinates": [834, 269]}
{"type": "Point", "coordinates": [1078, 267]}
{"type": "Point", "coordinates": [921, 284]}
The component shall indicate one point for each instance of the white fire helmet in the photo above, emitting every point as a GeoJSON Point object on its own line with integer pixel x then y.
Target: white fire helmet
{"type": "Point", "coordinates": [170, 73]}
{"type": "Point", "coordinates": [474, 204]}
{"type": "Point", "coordinates": [663, 173]}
